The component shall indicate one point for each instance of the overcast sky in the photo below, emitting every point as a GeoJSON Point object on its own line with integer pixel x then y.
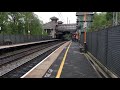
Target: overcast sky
{"type": "Point", "coordinates": [45, 16]}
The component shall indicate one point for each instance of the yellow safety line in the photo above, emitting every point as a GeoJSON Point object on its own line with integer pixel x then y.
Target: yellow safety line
{"type": "Point", "coordinates": [62, 63]}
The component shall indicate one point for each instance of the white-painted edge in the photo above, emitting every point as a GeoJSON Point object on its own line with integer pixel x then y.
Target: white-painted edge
{"type": "Point", "coordinates": [39, 63]}
{"type": "Point", "coordinates": [23, 44]}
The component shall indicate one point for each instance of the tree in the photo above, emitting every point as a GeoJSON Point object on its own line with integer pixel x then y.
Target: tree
{"type": "Point", "coordinates": [3, 21]}
{"type": "Point", "coordinates": [109, 17]}
{"type": "Point", "coordinates": [20, 23]}
{"type": "Point", "coordinates": [99, 21]}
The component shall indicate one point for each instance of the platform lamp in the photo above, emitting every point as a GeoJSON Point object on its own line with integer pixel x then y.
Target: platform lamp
{"type": "Point", "coordinates": [85, 25]}
{"type": "Point", "coordinates": [42, 33]}
{"type": "Point", "coordinates": [0, 28]}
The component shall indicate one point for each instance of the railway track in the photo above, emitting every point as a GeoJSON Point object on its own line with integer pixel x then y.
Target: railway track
{"type": "Point", "coordinates": [17, 63]}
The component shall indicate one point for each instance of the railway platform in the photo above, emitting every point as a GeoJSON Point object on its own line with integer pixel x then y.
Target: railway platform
{"type": "Point", "coordinates": [64, 62]}
{"type": "Point", "coordinates": [24, 44]}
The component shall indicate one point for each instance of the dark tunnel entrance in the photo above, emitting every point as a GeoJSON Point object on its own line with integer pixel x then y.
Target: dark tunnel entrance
{"type": "Point", "coordinates": [64, 35]}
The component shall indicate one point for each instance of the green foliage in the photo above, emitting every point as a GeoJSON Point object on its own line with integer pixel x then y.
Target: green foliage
{"type": "Point", "coordinates": [109, 15]}
{"type": "Point", "coordinates": [20, 23]}
{"type": "Point", "coordinates": [101, 20]}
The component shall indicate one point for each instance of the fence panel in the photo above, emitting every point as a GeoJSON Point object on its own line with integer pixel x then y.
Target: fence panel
{"type": "Point", "coordinates": [18, 38]}
{"type": "Point", "coordinates": [94, 43]}
{"type": "Point", "coordinates": [22, 38]}
{"type": "Point", "coordinates": [102, 46]}
{"type": "Point", "coordinates": [6, 39]}
{"type": "Point", "coordinates": [88, 41]}
{"type": "Point", "coordinates": [113, 56]}
{"type": "Point", "coordinates": [32, 38]}
{"type": "Point", "coordinates": [1, 39]}
{"type": "Point", "coordinates": [25, 38]}
{"type": "Point", "coordinates": [105, 46]}
{"type": "Point", "coordinates": [82, 39]}
{"type": "Point", "coordinates": [14, 39]}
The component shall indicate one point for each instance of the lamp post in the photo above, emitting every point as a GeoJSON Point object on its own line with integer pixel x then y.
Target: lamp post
{"type": "Point", "coordinates": [29, 22]}
{"type": "Point", "coordinates": [85, 25]}
{"type": "Point", "coordinates": [115, 18]}
{"type": "Point", "coordinates": [28, 32]}
{"type": "Point", "coordinates": [42, 34]}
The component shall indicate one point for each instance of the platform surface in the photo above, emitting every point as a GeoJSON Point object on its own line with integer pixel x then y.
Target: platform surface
{"type": "Point", "coordinates": [75, 65]}
{"type": "Point", "coordinates": [40, 69]}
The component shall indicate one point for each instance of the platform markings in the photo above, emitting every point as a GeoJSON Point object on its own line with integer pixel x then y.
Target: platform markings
{"type": "Point", "coordinates": [48, 74]}
{"type": "Point", "coordinates": [62, 63]}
